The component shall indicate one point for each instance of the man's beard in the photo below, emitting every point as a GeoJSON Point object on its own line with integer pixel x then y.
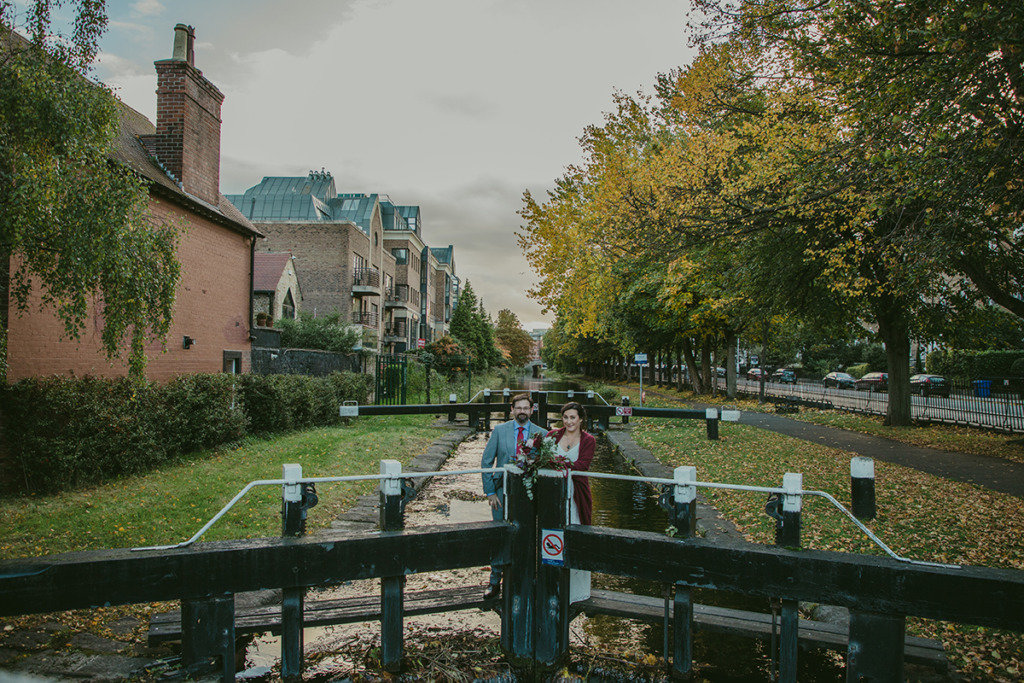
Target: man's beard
{"type": "Point", "coordinates": [522, 419]}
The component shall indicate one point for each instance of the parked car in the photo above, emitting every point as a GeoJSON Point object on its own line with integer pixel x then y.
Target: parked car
{"type": "Point", "coordinates": [839, 380]}
{"type": "Point", "coordinates": [784, 376]}
{"type": "Point", "coordinates": [754, 374]}
{"type": "Point", "coordinates": [873, 381]}
{"type": "Point", "coordinates": [929, 385]}
{"type": "Point", "coordinates": [720, 372]}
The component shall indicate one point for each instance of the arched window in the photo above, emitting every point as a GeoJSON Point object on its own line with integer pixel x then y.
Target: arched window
{"type": "Point", "coordinates": [288, 306]}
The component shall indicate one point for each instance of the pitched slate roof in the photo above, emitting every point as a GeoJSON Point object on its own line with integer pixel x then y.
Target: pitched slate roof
{"type": "Point", "coordinates": [268, 269]}
{"type": "Point", "coordinates": [129, 151]}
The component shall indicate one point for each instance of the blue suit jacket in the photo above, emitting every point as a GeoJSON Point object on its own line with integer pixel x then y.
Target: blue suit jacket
{"type": "Point", "coordinates": [501, 449]}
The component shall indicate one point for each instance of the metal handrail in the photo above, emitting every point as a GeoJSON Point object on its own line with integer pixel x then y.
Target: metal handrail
{"type": "Point", "coordinates": [309, 480]}
{"type": "Point", "coordinates": [756, 489]}
{"type": "Point", "coordinates": [564, 474]}
{"type": "Point", "coordinates": [575, 392]}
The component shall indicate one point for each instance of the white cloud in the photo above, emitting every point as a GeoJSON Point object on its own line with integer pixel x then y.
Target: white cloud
{"type": "Point", "coordinates": [147, 8]}
{"type": "Point", "coordinates": [458, 105]}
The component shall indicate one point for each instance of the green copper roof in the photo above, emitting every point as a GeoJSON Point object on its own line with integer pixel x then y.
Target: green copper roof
{"type": "Point", "coordinates": [305, 198]}
{"type": "Point", "coordinates": [314, 198]}
{"type": "Point", "coordinates": [443, 254]}
{"type": "Point", "coordinates": [357, 208]}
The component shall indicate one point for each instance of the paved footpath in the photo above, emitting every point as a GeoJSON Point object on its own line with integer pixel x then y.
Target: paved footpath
{"type": "Point", "coordinates": [997, 474]}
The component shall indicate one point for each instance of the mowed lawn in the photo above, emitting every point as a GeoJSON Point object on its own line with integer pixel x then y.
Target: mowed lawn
{"type": "Point", "coordinates": [170, 504]}
{"type": "Point", "coordinates": [919, 516]}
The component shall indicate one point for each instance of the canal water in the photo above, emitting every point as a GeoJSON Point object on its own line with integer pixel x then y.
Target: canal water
{"type": "Point", "coordinates": [624, 505]}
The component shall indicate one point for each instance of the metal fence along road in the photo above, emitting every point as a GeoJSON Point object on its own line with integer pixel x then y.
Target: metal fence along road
{"type": "Point", "coordinates": [992, 406]}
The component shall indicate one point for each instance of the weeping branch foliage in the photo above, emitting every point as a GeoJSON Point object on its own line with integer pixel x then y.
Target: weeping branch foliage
{"type": "Point", "coordinates": [824, 163]}
{"type": "Point", "coordinates": [75, 223]}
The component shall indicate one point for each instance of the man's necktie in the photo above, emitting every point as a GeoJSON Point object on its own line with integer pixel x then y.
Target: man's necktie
{"type": "Point", "coordinates": [520, 439]}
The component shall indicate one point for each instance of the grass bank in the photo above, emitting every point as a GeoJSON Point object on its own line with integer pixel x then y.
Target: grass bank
{"type": "Point", "coordinates": [953, 438]}
{"type": "Point", "coordinates": [920, 516]}
{"type": "Point", "coordinates": [169, 504]}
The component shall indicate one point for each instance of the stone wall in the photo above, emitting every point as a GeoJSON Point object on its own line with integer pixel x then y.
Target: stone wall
{"type": "Point", "coordinates": [302, 362]}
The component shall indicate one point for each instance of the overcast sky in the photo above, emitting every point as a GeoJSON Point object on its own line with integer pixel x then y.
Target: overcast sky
{"type": "Point", "coordinates": [455, 105]}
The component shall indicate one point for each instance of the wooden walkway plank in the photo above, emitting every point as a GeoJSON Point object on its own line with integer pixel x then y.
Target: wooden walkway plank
{"type": "Point", "coordinates": [748, 624]}
{"type": "Point", "coordinates": [166, 626]}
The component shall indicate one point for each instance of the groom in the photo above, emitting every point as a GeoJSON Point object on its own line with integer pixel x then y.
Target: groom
{"type": "Point", "coordinates": [500, 450]}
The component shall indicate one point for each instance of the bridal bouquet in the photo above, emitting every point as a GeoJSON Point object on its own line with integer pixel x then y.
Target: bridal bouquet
{"type": "Point", "coordinates": [538, 453]}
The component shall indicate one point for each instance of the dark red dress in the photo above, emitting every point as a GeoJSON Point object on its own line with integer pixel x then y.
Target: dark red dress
{"type": "Point", "coordinates": [581, 485]}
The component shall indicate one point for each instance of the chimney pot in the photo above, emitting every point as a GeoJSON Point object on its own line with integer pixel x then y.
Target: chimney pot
{"type": "Point", "coordinates": [184, 44]}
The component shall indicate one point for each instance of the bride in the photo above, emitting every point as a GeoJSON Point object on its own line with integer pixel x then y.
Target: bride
{"type": "Point", "coordinates": [576, 446]}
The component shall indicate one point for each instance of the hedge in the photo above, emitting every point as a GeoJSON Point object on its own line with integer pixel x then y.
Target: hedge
{"type": "Point", "coordinates": [960, 364]}
{"type": "Point", "coordinates": [64, 432]}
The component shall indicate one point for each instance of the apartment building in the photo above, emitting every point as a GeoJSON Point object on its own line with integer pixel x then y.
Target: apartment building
{"type": "Point", "coordinates": [359, 254]}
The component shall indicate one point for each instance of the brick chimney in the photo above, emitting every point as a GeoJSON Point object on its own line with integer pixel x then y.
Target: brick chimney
{"type": "Point", "coordinates": [187, 139]}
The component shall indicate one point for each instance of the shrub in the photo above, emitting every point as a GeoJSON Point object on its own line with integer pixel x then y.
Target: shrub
{"type": "Point", "coordinates": [608, 393]}
{"type": "Point", "coordinates": [326, 333]}
{"type": "Point", "coordinates": [859, 371]}
{"type": "Point", "coordinates": [200, 411]}
{"type": "Point", "coordinates": [966, 364]}
{"type": "Point", "coordinates": [62, 432]}
{"type": "Point", "coordinates": [274, 403]}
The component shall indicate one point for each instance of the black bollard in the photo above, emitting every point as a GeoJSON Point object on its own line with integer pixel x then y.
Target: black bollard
{"type": "Point", "coordinates": [542, 409]}
{"type": "Point", "coordinates": [862, 487]}
{"type": "Point", "coordinates": [711, 417]}
{"type": "Point", "coordinates": [625, 404]}
{"type": "Point", "coordinates": [452, 398]}
{"type": "Point", "coordinates": [487, 410]}
{"type": "Point", "coordinates": [506, 397]}
{"type": "Point", "coordinates": [391, 587]}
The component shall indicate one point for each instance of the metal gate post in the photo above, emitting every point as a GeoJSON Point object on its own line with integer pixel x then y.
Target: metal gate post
{"type": "Point", "coordinates": [684, 519]}
{"type": "Point", "coordinates": [292, 597]}
{"type": "Point", "coordinates": [789, 535]}
{"type": "Point", "coordinates": [487, 410]}
{"type": "Point", "coordinates": [542, 409]}
{"type": "Point", "coordinates": [391, 587]}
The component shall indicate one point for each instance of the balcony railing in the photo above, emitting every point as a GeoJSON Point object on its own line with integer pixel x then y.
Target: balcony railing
{"type": "Point", "coordinates": [397, 295]}
{"type": "Point", "coordinates": [366, 277]}
{"type": "Point", "coordinates": [396, 328]}
{"type": "Point", "coordinates": [364, 318]}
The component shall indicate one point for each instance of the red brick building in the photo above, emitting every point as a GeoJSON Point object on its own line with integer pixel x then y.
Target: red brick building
{"type": "Point", "coordinates": [180, 159]}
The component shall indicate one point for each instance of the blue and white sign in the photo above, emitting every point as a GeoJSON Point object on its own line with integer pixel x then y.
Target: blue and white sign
{"type": "Point", "coordinates": [552, 547]}
{"type": "Point", "coordinates": [640, 359]}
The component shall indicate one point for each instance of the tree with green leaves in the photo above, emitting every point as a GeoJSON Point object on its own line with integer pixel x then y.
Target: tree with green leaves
{"type": "Point", "coordinates": [510, 334]}
{"type": "Point", "coordinates": [471, 326]}
{"type": "Point", "coordinates": [74, 225]}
